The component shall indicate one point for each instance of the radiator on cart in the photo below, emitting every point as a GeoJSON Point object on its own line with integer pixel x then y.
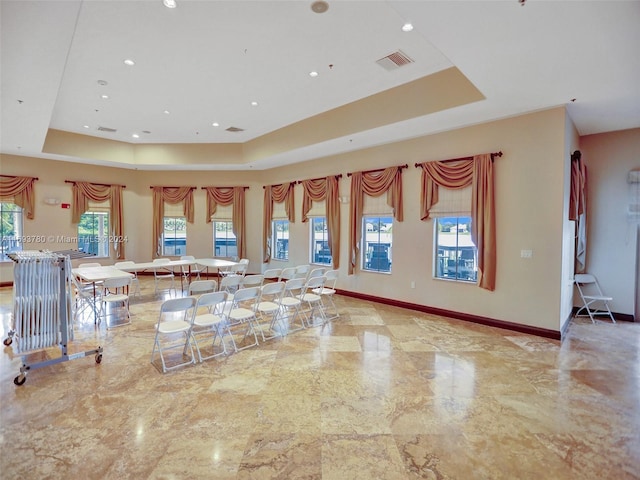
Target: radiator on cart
{"type": "Point", "coordinates": [43, 309]}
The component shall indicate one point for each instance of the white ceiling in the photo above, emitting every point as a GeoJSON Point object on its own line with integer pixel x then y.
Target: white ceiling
{"type": "Point", "coordinates": [207, 60]}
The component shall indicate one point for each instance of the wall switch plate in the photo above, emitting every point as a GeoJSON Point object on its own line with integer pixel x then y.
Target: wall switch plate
{"type": "Point", "coordinates": [526, 253]}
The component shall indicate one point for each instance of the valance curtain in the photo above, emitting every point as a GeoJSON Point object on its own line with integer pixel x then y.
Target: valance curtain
{"type": "Point", "coordinates": [325, 189]}
{"type": "Point", "coordinates": [169, 195]}
{"type": "Point", "coordinates": [230, 196]}
{"type": "Point", "coordinates": [20, 191]}
{"type": "Point", "coordinates": [84, 191]}
{"type": "Point", "coordinates": [373, 184]}
{"type": "Point", "coordinates": [477, 172]}
{"type": "Point", "coordinates": [275, 193]}
{"type": "Point", "coordinates": [578, 211]}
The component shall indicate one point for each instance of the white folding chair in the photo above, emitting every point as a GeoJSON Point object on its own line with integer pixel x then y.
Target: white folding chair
{"type": "Point", "coordinates": [239, 268]}
{"type": "Point", "coordinates": [163, 273]}
{"type": "Point", "coordinates": [594, 301]}
{"type": "Point", "coordinates": [87, 299]}
{"type": "Point", "coordinates": [287, 273]}
{"type": "Point", "coordinates": [316, 272]}
{"type": "Point", "coordinates": [313, 301]}
{"type": "Point", "coordinates": [135, 282]}
{"type": "Point", "coordinates": [302, 271]}
{"type": "Point", "coordinates": [327, 292]}
{"type": "Point", "coordinates": [175, 320]}
{"type": "Point", "coordinates": [242, 313]}
{"type": "Point", "coordinates": [252, 281]}
{"type": "Point", "coordinates": [269, 310]}
{"type": "Point", "coordinates": [292, 304]}
{"type": "Point", "coordinates": [211, 325]}
{"type": "Point", "coordinates": [115, 293]}
{"type": "Point", "coordinates": [230, 284]}
{"type": "Point", "coordinates": [199, 287]}
{"type": "Point", "coordinates": [272, 274]}
{"type": "Point", "coordinates": [189, 271]}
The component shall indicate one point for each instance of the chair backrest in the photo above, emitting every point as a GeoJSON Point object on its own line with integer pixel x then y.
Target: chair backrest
{"type": "Point", "coordinates": [272, 290]}
{"type": "Point", "coordinates": [252, 281]}
{"type": "Point", "coordinates": [330, 278]}
{"type": "Point", "coordinates": [230, 284]}
{"type": "Point", "coordinates": [272, 273]}
{"type": "Point", "coordinates": [246, 296]}
{"type": "Point", "coordinates": [161, 261]}
{"type": "Point", "coordinates": [198, 287]}
{"type": "Point", "coordinates": [89, 265]}
{"type": "Point", "coordinates": [125, 264]}
{"type": "Point", "coordinates": [317, 272]}
{"type": "Point", "coordinates": [287, 273]}
{"type": "Point", "coordinates": [314, 282]}
{"type": "Point", "coordinates": [584, 278]}
{"type": "Point", "coordinates": [188, 257]}
{"type": "Point", "coordinates": [185, 269]}
{"type": "Point", "coordinates": [294, 287]}
{"type": "Point", "coordinates": [116, 283]}
{"type": "Point", "coordinates": [302, 271]}
{"type": "Point", "coordinates": [213, 302]}
{"type": "Point", "coordinates": [183, 304]}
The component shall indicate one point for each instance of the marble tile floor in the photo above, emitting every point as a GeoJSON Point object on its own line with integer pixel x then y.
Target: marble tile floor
{"type": "Point", "coordinates": [379, 393]}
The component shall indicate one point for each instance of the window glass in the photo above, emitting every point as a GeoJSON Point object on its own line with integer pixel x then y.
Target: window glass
{"type": "Point", "coordinates": [456, 255]}
{"type": "Point", "coordinates": [174, 236]}
{"type": "Point", "coordinates": [10, 229]}
{"type": "Point", "coordinates": [93, 233]}
{"type": "Point", "coordinates": [224, 241]}
{"type": "Point", "coordinates": [378, 241]}
{"type": "Point", "coordinates": [280, 239]}
{"type": "Point", "coordinates": [320, 253]}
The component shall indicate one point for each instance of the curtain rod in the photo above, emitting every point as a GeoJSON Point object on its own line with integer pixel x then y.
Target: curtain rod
{"type": "Point", "coordinates": [319, 178]}
{"type": "Point", "coordinates": [93, 183]}
{"type": "Point", "coordinates": [399, 167]}
{"type": "Point", "coordinates": [278, 184]}
{"type": "Point", "coordinates": [493, 155]}
{"type": "Point", "coordinates": [204, 188]}
{"type": "Point", "coordinates": [16, 176]}
{"type": "Point", "coordinates": [192, 188]}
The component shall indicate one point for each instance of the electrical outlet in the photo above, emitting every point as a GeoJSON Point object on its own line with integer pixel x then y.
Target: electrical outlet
{"type": "Point", "coordinates": [413, 284]}
{"type": "Point", "coordinates": [526, 253]}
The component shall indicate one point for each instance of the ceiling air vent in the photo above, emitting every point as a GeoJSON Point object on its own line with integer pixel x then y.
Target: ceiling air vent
{"type": "Point", "coordinates": [394, 60]}
{"type": "Point", "coordinates": [235, 129]}
{"type": "Point", "coordinates": [107, 129]}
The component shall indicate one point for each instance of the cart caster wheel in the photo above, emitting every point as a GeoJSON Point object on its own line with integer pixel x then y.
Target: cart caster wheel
{"type": "Point", "coordinates": [98, 358]}
{"type": "Point", "coordinates": [8, 341]}
{"type": "Point", "coordinates": [20, 379]}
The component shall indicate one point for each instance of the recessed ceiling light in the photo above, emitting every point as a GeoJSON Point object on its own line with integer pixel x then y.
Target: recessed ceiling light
{"type": "Point", "coordinates": [215, 124]}
{"type": "Point", "coordinates": [407, 27]}
{"type": "Point", "coordinates": [254, 104]}
{"type": "Point", "coordinates": [104, 96]}
{"type": "Point", "coordinates": [103, 83]}
{"type": "Point", "coordinates": [135, 135]}
{"type": "Point", "coordinates": [129, 62]}
{"type": "Point", "coordinates": [166, 112]}
{"type": "Point", "coordinates": [85, 126]}
{"type": "Point", "coordinates": [319, 6]}
{"type": "Point", "coordinates": [313, 74]}
{"type": "Point", "coordinates": [170, 3]}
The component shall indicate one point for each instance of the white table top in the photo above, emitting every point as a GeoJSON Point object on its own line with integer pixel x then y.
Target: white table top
{"type": "Point", "coordinates": [95, 274]}
{"type": "Point", "coordinates": [215, 262]}
{"type": "Point", "coordinates": [137, 267]}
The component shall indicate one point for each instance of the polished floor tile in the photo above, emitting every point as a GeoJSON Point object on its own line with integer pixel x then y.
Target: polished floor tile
{"type": "Point", "coordinates": [378, 393]}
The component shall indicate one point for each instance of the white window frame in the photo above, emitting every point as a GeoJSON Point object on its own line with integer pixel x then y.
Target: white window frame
{"type": "Point", "coordinates": [14, 242]}
{"type": "Point", "coordinates": [177, 251]}
{"type": "Point", "coordinates": [224, 250]}
{"type": "Point", "coordinates": [455, 259]}
{"type": "Point", "coordinates": [276, 253]}
{"type": "Point", "coordinates": [377, 259]}
{"type": "Point", "coordinates": [319, 242]}
{"type": "Point", "coordinates": [99, 244]}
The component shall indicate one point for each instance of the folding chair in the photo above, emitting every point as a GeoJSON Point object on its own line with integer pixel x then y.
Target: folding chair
{"type": "Point", "coordinates": [199, 287]}
{"type": "Point", "coordinates": [135, 282]}
{"type": "Point", "coordinates": [211, 324]}
{"type": "Point", "coordinates": [167, 273]}
{"type": "Point", "coordinates": [115, 292]}
{"type": "Point", "coordinates": [169, 327]}
{"type": "Point", "coordinates": [291, 302]}
{"type": "Point", "coordinates": [327, 292]}
{"type": "Point", "coordinates": [270, 309]}
{"type": "Point", "coordinates": [242, 311]}
{"type": "Point", "coordinates": [594, 301]}
{"type": "Point", "coordinates": [313, 300]}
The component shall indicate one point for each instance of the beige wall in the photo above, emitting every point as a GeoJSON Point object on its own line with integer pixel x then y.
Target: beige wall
{"type": "Point", "coordinates": [531, 186]}
{"type": "Point", "coordinates": [611, 247]}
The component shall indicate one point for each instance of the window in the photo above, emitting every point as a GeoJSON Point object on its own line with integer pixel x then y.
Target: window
{"type": "Point", "coordinates": [93, 233]}
{"type": "Point", "coordinates": [10, 229]}
{"type": "Point", "coordinates": [377, 234]}
{"type": "Point", "coordinates": [224, 241]}
{"type": "Point", "coordinates": [174, 236]}
{"type": "Point", "coordinates": [457, 257]}
{"type": "Point", "coordinates": [320, 241]}
{"type": "Point", "coordinates": [280, 239]}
